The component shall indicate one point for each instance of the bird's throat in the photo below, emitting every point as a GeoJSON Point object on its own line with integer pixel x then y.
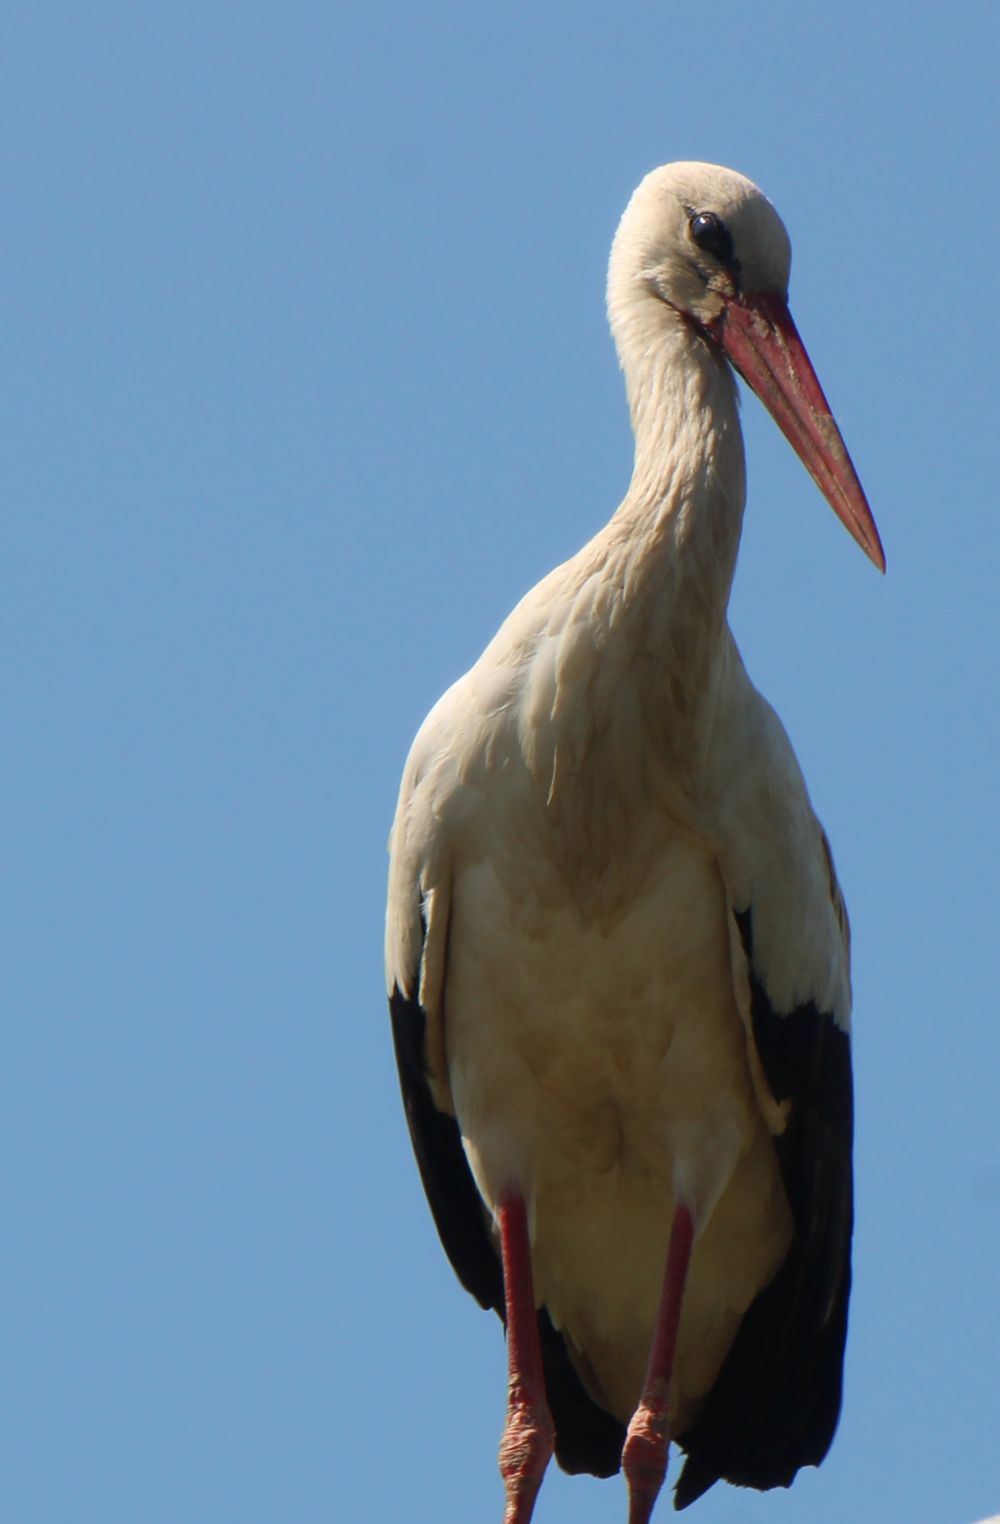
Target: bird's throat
{"type": "Point", "coordinates": [677, 532]}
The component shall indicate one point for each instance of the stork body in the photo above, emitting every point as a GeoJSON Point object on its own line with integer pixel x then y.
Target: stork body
{"type": "Point", "coordinates": [617, 954]}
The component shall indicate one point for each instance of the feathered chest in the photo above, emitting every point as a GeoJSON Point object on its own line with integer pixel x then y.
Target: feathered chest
{"type": "Point", "coordinates": [595, 756]}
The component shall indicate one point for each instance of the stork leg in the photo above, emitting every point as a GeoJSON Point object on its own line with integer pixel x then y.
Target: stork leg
{"type": "Point", "coordinates": [644, 1458]}
{"type": "Point", "coordinates": [526, 1446]}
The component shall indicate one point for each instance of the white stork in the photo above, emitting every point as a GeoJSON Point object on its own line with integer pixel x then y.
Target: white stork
{"type": "Point", "coordinates": [617, 953]}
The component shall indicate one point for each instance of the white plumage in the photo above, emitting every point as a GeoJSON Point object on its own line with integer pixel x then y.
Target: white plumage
{"type": "Point", "coordinates": [609, 897]}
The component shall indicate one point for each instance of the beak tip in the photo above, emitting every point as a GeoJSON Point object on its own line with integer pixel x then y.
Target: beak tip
{"type": "Point", "coordinates": [877, 555]}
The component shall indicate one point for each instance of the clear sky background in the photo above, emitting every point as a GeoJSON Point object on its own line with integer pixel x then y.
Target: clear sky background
{"type": "Point", "coordinates": [305, 380]}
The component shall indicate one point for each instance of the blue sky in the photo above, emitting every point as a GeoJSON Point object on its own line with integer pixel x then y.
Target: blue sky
{"type": "Point", "coordinates": [305, 380]}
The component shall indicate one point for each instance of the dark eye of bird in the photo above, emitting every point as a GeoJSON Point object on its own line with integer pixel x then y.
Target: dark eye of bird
{"type": "Point", "coordinates": [711, 234]}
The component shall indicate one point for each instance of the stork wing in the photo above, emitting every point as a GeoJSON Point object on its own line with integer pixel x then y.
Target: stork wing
{"type": "Point", "coordinates": [417, 920]}
{"type": "Point", "coordinates": [776, 1402]}
{"type": "Point", "coordinates": [455, 1202]}
{"type": "Point", "coordinates": [587, 1438]}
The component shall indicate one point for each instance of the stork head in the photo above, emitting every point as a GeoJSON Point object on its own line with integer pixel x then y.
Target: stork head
{"type": "Point", "coordinates": [703, 244]}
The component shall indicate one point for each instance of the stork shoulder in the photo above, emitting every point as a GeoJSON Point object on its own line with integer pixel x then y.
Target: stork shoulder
{"type": "Point", "coordinates": [489, 733]}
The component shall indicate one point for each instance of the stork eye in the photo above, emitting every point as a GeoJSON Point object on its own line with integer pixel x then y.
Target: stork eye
{"type": "Point", "coordinates": [711, 234]}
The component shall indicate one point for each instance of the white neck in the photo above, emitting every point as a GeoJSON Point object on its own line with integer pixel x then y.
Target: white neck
{"type": "Point", "coordinates": [640, 630]}
{"type": "Point", "coordinates": [671, 546]}
{"type": "Point", "coordinates": [684, 507]}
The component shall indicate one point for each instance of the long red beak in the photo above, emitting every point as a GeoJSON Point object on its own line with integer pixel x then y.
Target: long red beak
{"type": "Point", "coordinates": [761, 340]}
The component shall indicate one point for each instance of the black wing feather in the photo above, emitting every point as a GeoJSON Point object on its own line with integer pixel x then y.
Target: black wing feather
{"type": "Point", "coordinates": [775, 1404]}
{"type": "Point", "coordinates": [456, 1204]}
{"type": "Point", "coordinates": [587, 1438]}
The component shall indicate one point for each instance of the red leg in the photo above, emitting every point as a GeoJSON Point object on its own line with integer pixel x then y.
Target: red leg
{"type": "Point", "coordinates": [526, 1446]}
{"type": "Point", "coordinates": [644, 1458]}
